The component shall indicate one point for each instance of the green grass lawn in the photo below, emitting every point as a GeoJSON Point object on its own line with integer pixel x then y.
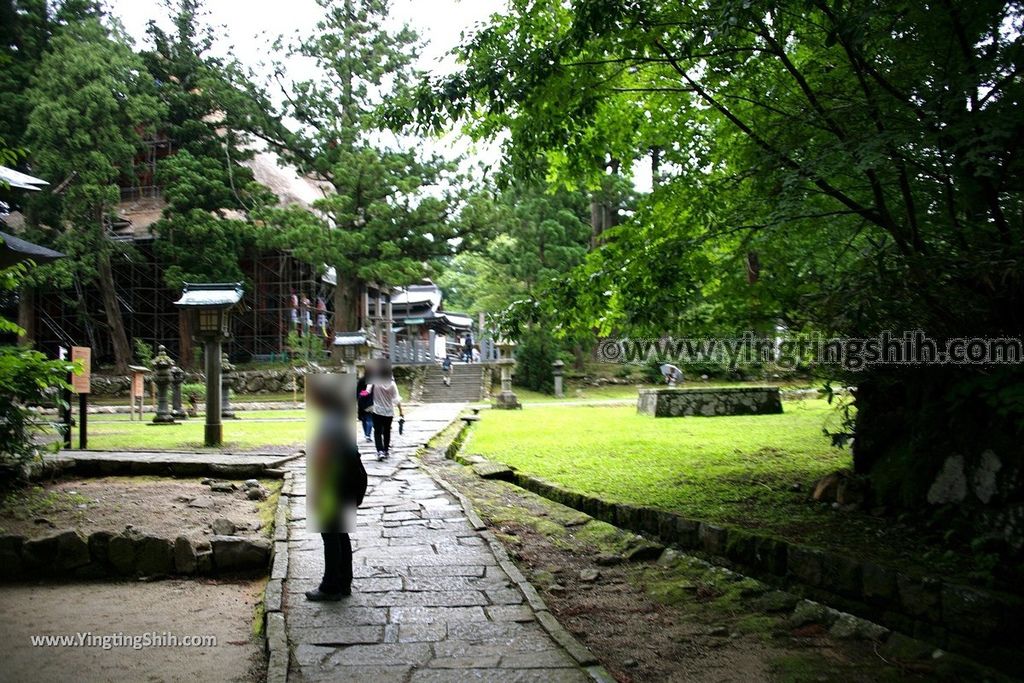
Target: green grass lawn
{"type": "Point", "coordinates": [721, 469]}
{"type": "Point", "coordinates": [738, 471]}
{"type": "Point", "coordinates": [255, 429]}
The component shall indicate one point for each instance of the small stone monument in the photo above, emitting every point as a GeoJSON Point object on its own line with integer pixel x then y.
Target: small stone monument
{"type": "Point", "coordinates": [558, 369]}
{"type": "Point", "coordinates": [506, 400]}
{"type": "Point", "coordinates": [162, 377]}
{"type": "Point", "coordinates": [227, 378]}
{"type": "Point", "coordinates": [177, 379]}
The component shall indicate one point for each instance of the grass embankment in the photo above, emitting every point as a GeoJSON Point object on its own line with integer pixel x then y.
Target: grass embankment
{"type": "Point", "coordinates": [753, 472]}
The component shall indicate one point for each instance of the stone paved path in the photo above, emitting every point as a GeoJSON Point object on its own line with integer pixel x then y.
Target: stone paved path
{"type": "Point", "coordinates": [430, 602]}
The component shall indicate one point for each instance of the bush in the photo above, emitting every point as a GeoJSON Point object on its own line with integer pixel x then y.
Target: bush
{"type": "Point", "coordinates": [27, 379]}
{"type": "Point", "coordinates": [143, 352]}
{"type": "Point", "coordinates": [534, 356]}
{"type": "Point", "coordinates": [196, 389]}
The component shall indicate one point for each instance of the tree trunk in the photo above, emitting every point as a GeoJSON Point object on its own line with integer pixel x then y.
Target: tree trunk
{"type": "Point", "coordinates": [115, 322]}
{"type": "Point", "coordinates": [579, 358]}
{"type": "Point", "coordinates": [27, 315]}
{"type": "Point", "coordinates": [348, 301]}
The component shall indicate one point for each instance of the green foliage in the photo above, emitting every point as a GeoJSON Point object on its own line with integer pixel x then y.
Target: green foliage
{"type": "Point", "coordinates": [392, 215]}
{"type": "Point", "coordinates": [194, 391]}
{"type": "Point", "coordinates": [92, 100]}
{"type": "Point", "coordinates": [861, 171]}
{"type": "Point", "coordinates": [535, 237]}
{"type": "Point", "coordinates": [309, 348]}
{"type": "Point", "coordinates": [535, 353]}
{"type": "Point", "coordinates": [28, 379]}
{"type": "Point", "coordinates": [143, 352]}
{"type": "Point", "coordinates": [204, 180]}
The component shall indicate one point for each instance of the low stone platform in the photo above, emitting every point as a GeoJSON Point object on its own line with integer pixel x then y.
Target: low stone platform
{"type": "Point", "coordinates": [167, 463]}
{"type": "Point", "coordinates": [709, 402]}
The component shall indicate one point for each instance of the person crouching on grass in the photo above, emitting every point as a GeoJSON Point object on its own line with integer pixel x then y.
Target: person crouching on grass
{"type": "Point", "coordinates": [385, 400]}
{"type": "Point", "coordinates": [336, 483]}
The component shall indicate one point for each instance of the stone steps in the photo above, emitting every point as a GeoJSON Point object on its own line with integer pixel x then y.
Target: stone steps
{"type": "Point", "coordinates": [466, 384]}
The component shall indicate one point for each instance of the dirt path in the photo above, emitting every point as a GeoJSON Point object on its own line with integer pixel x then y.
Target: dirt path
{"type": "Point", "coordinates": [223, 610]}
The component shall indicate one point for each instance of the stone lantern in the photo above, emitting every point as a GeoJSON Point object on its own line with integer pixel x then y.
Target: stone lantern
{"type": "Point", "coordinates": [558, 370]}
{"type": "Point", "coordinates": [227, 380]}
{"type": "Point", "coordinates": [162, 365]}
{"type": "Point", "coordinates": [209, 305]}
{"type": "Point", "coordinates": [506, 400]}
{"type": "Point", "coordinates": [352, 348]}
{"type": "Point", "coordinates": [177, 379]}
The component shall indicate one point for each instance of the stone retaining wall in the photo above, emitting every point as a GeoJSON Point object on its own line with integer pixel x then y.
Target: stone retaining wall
{"type": "Point", "coordinates": [709, 402]}
{"type": "Point", "coordinates": [69, 554]}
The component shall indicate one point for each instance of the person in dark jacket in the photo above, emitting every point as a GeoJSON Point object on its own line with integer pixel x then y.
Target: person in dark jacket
{"type": "Point", "coordinates": [336, 486]}
{"type": "Point", "coordinates": [364, 402]}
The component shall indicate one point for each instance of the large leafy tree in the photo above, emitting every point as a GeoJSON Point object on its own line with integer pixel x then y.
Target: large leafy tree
{"type": "Point", "coordinates": [209, 193]}
{"type": "Point", "coordinates": [388, 216]}
{"type": "Point", "coordinates": [91, 101]}
{"type": "Point", "coordinates": [537, 237]}
{"type": "Point", "coordinates": [847, 167]}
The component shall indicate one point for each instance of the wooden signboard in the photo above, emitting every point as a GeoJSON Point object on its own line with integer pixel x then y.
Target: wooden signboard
{"type": "Point", "coordinates": [81, 383]}
{"type": "Point", "coordinates": [138, 385]}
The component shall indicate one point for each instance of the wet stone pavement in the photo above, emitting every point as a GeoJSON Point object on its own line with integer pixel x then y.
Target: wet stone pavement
{"type": "Point", "coordinates": [430, 601]}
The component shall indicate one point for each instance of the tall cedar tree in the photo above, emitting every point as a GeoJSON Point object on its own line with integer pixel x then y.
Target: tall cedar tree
{"type": "Point", "coordinates": [204, 231]}
{"type": "Point", "coordinates": [92, 101]}
{"type": "Point", "coordinates": [389, 215]}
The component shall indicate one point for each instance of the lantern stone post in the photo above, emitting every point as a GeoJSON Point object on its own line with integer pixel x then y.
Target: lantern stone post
{"type": "Point", "coordinates": [227, 377]}
{"type": "Point", "coordinates": [506, 400]}
{"type": "Point", "coordinates": [162, 377]}
{"type": "Point", "coordinates": [209, 305]}
{"type": "Point", "coordinates": [558, 369]}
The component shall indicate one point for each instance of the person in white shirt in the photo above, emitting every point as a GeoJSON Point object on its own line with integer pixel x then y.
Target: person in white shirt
{"type": "Point", "coordinates": [672, 374]}
{"type": "Point", "coordinates": [386, 400]}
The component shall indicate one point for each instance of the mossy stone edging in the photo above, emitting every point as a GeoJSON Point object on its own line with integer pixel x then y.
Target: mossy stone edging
{"type": "Point", "coordinates": [71, 554]}
{"type": "Point", "coordinates": [984, 624]}
{"type": "Point", "coordinates": [274, 625]}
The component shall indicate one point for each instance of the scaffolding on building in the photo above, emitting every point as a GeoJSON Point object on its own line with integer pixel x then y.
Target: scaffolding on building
{"type": "Point", "coordinates": [260, 326]}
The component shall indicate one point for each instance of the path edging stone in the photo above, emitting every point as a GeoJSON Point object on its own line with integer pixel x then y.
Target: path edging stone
{"type": "Point", "coordinates": [577, 650]}
{"type": "Point", "coordinates": [274, 627]}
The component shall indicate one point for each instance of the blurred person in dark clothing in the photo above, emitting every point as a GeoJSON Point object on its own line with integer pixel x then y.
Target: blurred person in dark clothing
{"type": "Point", "coordinates": [364, 403]}
{"type": "Point", "coordinates": [336, 483]}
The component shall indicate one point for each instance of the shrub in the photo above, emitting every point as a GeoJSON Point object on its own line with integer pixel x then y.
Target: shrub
{"type": "Point", "coordinates": [534, 356]}
{"type": "Point", "coordinates": [27, 379]}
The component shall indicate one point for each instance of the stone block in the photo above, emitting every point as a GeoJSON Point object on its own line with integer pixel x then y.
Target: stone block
{"type": "Point", "coordinates": [709, 402]}
{"type": "Point", "coordinates": [970, 611]}
{"type": "Point", "coordinates": [713, 538]}
{"type": "Point", "coordinates": [154, 556]}
{"type": "Point", "coordinates": [185, 556]}
{"type": "Point", "coordinates": [841, 575]}
{"type": "Point", "coordinates": [10, 556]}
{"type": "Point", "coordinates": [805, 564]}
{"type": "Point", "coordinates": [741, 547]}
{"type": "Point", "coordinates": [235, 553]}
{"type": "Point", "coordinates": [878, 583]}
{"type": "Point", "coordinates": [770, 555]}
{"type": "Point", "coordinates": [919, 597]}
